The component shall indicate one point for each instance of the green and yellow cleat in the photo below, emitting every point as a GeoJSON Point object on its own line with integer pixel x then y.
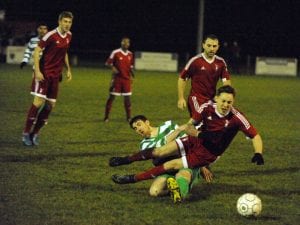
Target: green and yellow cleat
{"type": "Point", "coordinates": [173, 187]}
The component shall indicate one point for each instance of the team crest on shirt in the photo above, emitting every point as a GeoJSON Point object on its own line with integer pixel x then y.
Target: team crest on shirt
{"type": "Point", "coordinates": [121, 58]}
{"type": "Point", "coordinates": [57, 42]}
{"type": "Point", "coordinates": [209, 118]}
{"type": "Point", "coordinates": [216, 66]}
{"type": "Point", "coordinates": [226, 123]}
{"type": "Point", "coordinates": [67, 40]}
{"type": "Point", "coordinates": [203, 68]}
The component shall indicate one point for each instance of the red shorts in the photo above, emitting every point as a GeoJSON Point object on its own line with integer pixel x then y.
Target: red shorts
{"type": "Point", "coordinates": [47, 89]}
{"type": "Point", "coordinates": [120, 86]}
{"type": "Point", "coordinates": [194, 103]}
{"type": "Point", "coordinates": [193, 153]}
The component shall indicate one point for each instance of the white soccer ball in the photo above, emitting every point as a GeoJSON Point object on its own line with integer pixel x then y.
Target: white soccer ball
{"type": "Point", "coordinates": [249, 205]}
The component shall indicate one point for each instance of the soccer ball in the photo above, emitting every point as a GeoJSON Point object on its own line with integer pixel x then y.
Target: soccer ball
{"type": "Point", "coordinates": [249, 205]}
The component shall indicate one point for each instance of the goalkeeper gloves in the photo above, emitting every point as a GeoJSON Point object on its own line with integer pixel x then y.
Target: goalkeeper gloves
{"type": "Point", "coordinates": [23, 64]}
{"type": "Point", "coordinates": [258, 159]}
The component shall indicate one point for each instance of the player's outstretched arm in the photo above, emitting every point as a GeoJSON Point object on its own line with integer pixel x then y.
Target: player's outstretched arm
{"type": "Point", "coordinates": [181, 104]}
{"type": "Point", "coordinates": [258, 149]}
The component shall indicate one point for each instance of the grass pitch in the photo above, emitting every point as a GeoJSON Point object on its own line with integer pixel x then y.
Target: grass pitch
{"type": "Point", "coordinates": [66, 180]}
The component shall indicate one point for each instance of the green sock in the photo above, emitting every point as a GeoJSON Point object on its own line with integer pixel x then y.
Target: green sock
{"type": "Point", "coordinates": [183, 186]}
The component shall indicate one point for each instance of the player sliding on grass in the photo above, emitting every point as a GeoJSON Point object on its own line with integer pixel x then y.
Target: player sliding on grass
{"type": "Point", "coordinates": [221, 122]}
{"type": "Point", "coordinates": [157, 137]}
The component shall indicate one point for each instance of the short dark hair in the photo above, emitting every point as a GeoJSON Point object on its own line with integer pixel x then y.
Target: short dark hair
{"type": "Point", "coordinates": [65, 14]}
{"type": "Point", "coordinates": [226, 89]}
{"type": "Point", "coordinates": [210, 36]}
{"type": "Point", "coordinates": [42, 24]}
{"type": "Point", "coordinates": [136, 118]}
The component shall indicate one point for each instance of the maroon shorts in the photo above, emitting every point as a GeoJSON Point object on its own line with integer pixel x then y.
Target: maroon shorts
{"type": "Point", "coordinates": [194, 103]}
{"type": "Point", "coordinates": [193, 153]}
{"type": "Point", "coordinates": [47, 88]}
{"type": "Point", "coordinates": [120, 86]}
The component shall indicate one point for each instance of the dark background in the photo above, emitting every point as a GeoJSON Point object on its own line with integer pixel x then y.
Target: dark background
{"type": "Point", "coordinates": [261, 27]}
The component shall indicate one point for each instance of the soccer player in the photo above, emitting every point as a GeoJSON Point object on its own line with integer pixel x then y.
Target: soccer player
{"type": "Point", "coordinates": [157, 137]}
{"type": "Point", "coordinates": [121, 63]}
{"type": "Point", "coordinates": [47, 70]}
{"type": "Point", "coordinates": [221, 122]}
{"type": "Point", "coordinates": [204, 70]}
{"type": "Point", "coordinates": [42, 29]}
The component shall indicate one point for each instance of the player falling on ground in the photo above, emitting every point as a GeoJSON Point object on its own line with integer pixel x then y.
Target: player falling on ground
{"type": "Point", "coordinates": [47, 72]}
{"type": "Point", "coordinates": [121, 62]}
{"type": "Point", "coordinates": [221, 122]}
{"type": "Point", "coordinates": [157, 137]}
{"type": "Point", "coordinates": [204, 70]}
{"type": "Point", "coordinates": [42, 29]}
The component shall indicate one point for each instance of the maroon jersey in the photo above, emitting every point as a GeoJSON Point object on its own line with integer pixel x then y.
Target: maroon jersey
{"type": "Point", "coordinates": [55, 46]}
{"type": "Point", "coordinates": [204, 75]}
{"type": "Point", "coordinates": [123, 61]}
{"type": "Point", "coordinates": [218, 131]}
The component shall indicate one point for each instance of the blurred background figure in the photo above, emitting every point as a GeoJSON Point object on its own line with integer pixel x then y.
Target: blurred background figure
{"type": "Point", "coordinates": [42, 29]}
{"type": "Point", "coordinates": [235, 57]}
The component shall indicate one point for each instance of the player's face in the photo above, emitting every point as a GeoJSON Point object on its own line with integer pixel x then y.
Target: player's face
{"type": "Point", "coordinates": [210, 47]}
{"type": "Point", "coordinates": [125, 43]}
{"type": "Point", "coordinates": [42, 30]}
{"type": "Point", "coordinates": [224, 103]}
{"type": "Point", "coordinates": [142, 128]}
{"type": "Point", "coordinates": [65, 24]}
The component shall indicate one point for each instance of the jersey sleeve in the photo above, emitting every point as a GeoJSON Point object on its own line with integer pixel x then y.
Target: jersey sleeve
{"type": "Point", "coordinates": [110, 59]}
{"type": "Point", "coordinates": [225, 73]}
{"type": "Point", "coordinates": [245, 126]}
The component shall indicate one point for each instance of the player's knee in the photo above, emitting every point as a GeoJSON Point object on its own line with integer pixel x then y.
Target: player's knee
{"type": "Point", "coordinates": [154, 192]}
{"type": "Point", "coordinates": [185, 174]}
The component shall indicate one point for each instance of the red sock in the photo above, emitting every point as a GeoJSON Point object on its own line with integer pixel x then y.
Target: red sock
{"type": "Point", "coordinates": [151, 173]}
{"type": "Point", "coordinates": [141, 155]}
{"type": "Point", "coordinates": [31, 117]}
{"type": "Point", "coordinates": [127, 106]}
{"type": "Point", "coordinates": [42, 118]}
{"type": "Point", "coordinates": [108, 107]}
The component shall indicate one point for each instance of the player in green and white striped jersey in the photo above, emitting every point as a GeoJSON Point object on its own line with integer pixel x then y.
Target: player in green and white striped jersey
{"type": "Point", "coordinates": [159, 136]}
{"type": "Point", "coordinates": [42, 29]}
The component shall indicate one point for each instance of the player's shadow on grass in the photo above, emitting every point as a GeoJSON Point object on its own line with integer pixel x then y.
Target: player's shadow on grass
{"type": "Point", "coordinates": [39, 158]}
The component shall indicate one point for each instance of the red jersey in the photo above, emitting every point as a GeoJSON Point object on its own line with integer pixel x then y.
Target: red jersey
{"type": "Point", "coordinates": [218, 131]}
{"type": "Point", "coordinates": [55, 46]}
{"type": "Point", "coordinates": [204, 75]}
{"type": "Point", "coordinates": [123, 61]}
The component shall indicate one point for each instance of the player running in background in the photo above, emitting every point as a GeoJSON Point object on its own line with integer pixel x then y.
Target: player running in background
{"type": "Point", "coordinates": [42, 29]}
{"type": "Point", "coordinates": [121, 63]}
{"type": "Point", "coordinates": [157, 137]}
{"type": "Point", "coordinates": [47, 71]}
{"type": "Point", "coordinates": [204, 70]}
{"type": "Point", "coordinates": [221, 122]}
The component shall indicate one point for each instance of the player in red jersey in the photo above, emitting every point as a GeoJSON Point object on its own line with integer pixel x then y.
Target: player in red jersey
{"type": "Point", "coordinates": [121, 62]}
{"type": "Point", "coordinates": [221, 122]}
{"type": "Point", "coordinates": [204, 70]}
{"type": "Point", "coordinates": [47, 71]}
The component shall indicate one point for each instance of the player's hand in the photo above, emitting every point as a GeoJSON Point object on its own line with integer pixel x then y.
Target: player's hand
{"type": "Point", "coordinates": [206, 174]}
{"type": "Point", "coordinates": [39, 76]}
{"type": "Point", "coordinates": [258, 159]}
{"type": "Point", "coordinates": [69, 75]}
{"type": "Point", "coordinates": [181, 104]}
{"type": "Point", "coordinates": [22, 65]}
{"type": "Point", "coordinates": [114, 70]}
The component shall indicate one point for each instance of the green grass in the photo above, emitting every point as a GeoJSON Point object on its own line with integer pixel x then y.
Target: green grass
{"type": "Point", "coordinates": [66, 180]}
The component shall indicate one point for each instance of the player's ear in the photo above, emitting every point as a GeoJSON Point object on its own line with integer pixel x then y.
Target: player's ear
{"type": "Point", "coordinates": [147, 122]}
